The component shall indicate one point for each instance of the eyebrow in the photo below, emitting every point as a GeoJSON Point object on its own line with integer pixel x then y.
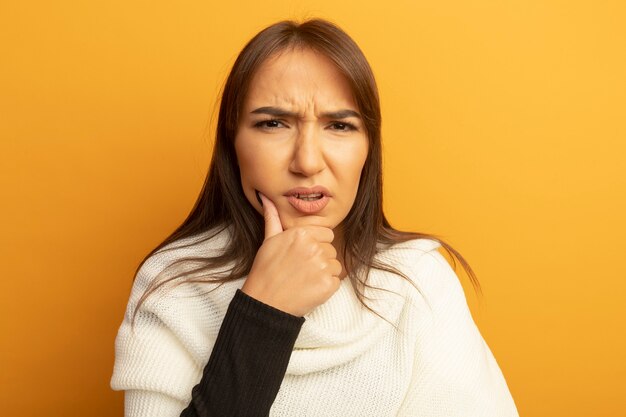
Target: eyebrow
{"type": "Point", "coordinates": [277, 111]}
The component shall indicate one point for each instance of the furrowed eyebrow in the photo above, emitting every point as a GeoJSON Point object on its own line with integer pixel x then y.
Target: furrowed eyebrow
{"type": "Point", "coordinates": [278, 112]}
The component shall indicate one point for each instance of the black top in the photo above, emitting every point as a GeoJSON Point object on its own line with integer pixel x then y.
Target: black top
{"type": "Point", "coordinates": [248, 362]}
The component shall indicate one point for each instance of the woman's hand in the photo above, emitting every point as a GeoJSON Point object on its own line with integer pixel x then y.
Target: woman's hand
{"type": "Point", "coordinates": [294, 270]}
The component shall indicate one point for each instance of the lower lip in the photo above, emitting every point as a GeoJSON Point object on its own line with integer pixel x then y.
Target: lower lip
{"type": "Point", "coordinates": [308, 207]}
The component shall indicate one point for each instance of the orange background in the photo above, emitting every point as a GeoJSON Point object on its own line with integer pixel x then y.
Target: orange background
{"type": "Point", "coordinates": [503, 129]}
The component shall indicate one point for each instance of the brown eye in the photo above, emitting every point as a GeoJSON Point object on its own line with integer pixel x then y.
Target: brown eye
{"type": "Point", "coordinates": [268, 124]}
{"type": "Point", "coordinates": [343, 126]}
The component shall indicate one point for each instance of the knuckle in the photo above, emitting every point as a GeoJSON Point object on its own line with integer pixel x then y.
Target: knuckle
{"type": "Point", "coordinates": [313, 251]}
{"type": "Point", "coordinates": [299, 235]}
{"type": "Point", "coordinates": [333, 284]}
{"type": "Point", "coordinates": [328, 282]}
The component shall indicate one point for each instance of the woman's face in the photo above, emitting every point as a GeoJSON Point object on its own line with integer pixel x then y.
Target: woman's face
{"type": "Point", "coordinates": [288, 137]}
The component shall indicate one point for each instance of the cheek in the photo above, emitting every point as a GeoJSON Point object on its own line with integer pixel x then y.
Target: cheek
{"type": "Point", "coordinates": [256, 166]}
{"type": "Point", "coordinates": [353, 160]}
{"type": "Point", "coordinates": [351, 163]}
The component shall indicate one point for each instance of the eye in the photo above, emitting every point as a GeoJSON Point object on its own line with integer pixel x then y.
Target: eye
{"type": "Point", "coordinates": [268, 124]}
{"type": "Point", "coordinates": [343, 126]}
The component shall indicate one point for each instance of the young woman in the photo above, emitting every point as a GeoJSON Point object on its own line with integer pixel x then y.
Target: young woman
{"type": "Point", "coordinates": [286, 292]}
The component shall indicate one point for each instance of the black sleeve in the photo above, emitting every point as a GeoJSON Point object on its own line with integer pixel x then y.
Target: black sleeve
{"type": "Point", "coordinates": [248, 362]}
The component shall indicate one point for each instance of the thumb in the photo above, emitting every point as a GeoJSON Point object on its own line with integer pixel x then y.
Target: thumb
{"type": "Point", "coordinates": [273, 226]}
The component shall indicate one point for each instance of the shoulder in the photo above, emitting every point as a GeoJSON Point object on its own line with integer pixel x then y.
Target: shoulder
{"type": "Point", "coordinates": [177, 258]}
{"type": "Point", "coordinates": [410, 251]}
{"type": "Point", "coordinates": [421, 244]}
{"type": "Point", "coordinates": [427, 269]}
{"type": "Point", "coordinates": [173, 316]}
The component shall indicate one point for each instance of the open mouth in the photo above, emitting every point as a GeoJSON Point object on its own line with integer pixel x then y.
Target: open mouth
{"type": "Point", "coordinates": [309, 197]}
{"type": "Point", "coordinates": [308, 203]}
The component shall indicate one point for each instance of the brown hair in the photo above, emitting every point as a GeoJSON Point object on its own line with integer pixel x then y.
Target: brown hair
{"type": "Point", "coordinates": [222, 203]}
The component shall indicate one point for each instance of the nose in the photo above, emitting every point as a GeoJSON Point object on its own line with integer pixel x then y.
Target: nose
{"type": "Point", "coordinates": [308, 156]}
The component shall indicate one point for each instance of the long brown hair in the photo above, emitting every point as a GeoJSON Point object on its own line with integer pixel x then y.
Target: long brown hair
{"type": "Point", "coordinates": [222, 203]}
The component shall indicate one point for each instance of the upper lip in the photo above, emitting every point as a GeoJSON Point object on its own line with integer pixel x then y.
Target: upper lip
{"type": "Point", "coordinates": [313, 190]}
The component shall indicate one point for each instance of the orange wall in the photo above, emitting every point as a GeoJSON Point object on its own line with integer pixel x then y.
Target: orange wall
{"type": "Point", "coordinates": [503, 132]}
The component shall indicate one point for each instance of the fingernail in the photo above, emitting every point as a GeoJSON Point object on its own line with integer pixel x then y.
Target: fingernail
{"type": "Point", "coordinates": [258, 197]}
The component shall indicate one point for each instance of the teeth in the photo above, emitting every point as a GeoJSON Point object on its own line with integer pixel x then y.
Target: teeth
{"type": "Point", "coordinates": [309, 197]}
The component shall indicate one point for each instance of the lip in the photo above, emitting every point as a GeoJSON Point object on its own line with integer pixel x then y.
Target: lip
{"type": "Point", "coordinates": [313, 190]}
{"type": "Point", "coordinates": [308, 207]}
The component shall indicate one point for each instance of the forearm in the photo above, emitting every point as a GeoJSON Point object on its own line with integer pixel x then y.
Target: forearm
{"type": "Point", "coordinates": [248, 361]}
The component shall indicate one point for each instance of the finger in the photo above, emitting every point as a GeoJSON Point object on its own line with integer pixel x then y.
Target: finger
{"type": "Point", "coordinates": [329, 250]}
{"type": "Point", "coordinates": [320, 233]}
{"type": "Point", "coordinates": [335, 268]}
{"type": "Point", "coordinates": [273, 226]}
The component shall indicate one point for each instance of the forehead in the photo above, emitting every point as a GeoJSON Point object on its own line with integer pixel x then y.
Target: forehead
{"type": "Point", "coordinates": [299, 78]}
